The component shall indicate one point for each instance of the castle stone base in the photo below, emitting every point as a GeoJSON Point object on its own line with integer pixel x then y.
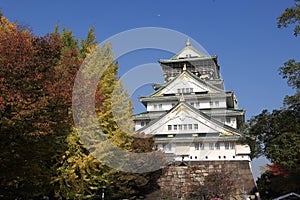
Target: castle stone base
{"type": "Point", "coordinates": [231, 179]}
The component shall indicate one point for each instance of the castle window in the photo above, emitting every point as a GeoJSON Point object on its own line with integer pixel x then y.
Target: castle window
{"type": "Point", "coordinates": [196, 126]}
{"type": "Point", "coordinates": [191, 157]}
{"type": "Point", "coordinates": [173, 104]}
{"type": "Point", "coordinates": [192, 103]}
{"type": "Point", "coordinates": [191, 89]}
{"type": "Point", "coordinates": [226, 145]}
{"type": "Point", "coordinates": [211, 103]}
{"type": "Point", "coordinates": [219, 157]}
{"type": "Point", "coordinates": [232, 145]}
{"type": "Point", "coordinates": [195, 157]}
{"type": "Point", "coordinates": [185, 126]}
{"type": "Point", "coordinates": [233, 156]}
{"type": "Point", "coordinates": [178, 90]}
{"type": "Point", "coordinates": [217, 145]}
{"type": "Point", "coordinates": [224, 157]}
{"type": "Point", "coordinates": [169, 127]}
{"type": "Point", "coordinates": [198, 104]}
{"type": "Point", "coordinates": [160, 106]}
{"type": "Point", "coordinates": [142, 123]}
{"type": "Point", "coordinates": [175, 127]}
{"type": "Point", "coordinates": [228, 120]}
{"type": "Point", "coordinates": [179, 126]}
{"type": "Point", "coordinates": [155, 106]}
{"type": "Point", "coordinates": [199, 146]}
{"type": "Point", "coordinates": [187, 90]}
{"type": "Point", "coordinates": [211, 146]}
{"type": "Point", "coordinates": [190, 126]}
{"type": "Point", "coordinates": [216, 104]}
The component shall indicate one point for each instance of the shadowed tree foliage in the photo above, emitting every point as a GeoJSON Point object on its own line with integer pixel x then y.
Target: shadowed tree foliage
{"type": "Point", "coordinates": [27, 121]}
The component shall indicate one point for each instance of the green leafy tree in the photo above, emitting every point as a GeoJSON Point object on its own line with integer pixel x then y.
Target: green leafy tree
{"type": "Point", "coordinates": [290, 17]}
{"type": "Point", "coordinates": [276, 134]}
{"type": "Point", "coordinates": [80, 175]}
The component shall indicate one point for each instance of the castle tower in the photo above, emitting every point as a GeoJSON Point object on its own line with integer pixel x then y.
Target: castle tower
{"type": "Point", "coordinates": [191, 115]}
{"type": "Point", "coordinates": [193, 119]}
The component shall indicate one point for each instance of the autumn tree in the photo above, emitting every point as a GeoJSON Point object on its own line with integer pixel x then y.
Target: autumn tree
{"type": "Point", "coordinates": [27, 71]}
{"type": "Point", "coordinates": [36, 81]}
{"type": "Point", "coordinates": [41, 152]}
{"type": "Point", "coordinates": [80, 172]}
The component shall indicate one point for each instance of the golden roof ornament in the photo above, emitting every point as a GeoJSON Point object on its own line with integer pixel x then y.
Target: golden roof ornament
{"type": "Point", "coordinates": [188, 43]}
{"type": "Point", "coordinates": [184, 67]}
{"type": "Point", "coordinates": [181, 98]}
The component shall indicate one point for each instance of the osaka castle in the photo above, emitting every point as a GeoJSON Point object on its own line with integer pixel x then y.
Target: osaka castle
{"type": "Point", "coordinates": [192, 117]}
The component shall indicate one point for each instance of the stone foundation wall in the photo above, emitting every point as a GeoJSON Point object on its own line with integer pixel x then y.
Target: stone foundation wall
{"type": "Point", "coordinates": [179, 182]}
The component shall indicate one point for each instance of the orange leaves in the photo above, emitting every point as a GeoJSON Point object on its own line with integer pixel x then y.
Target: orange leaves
{"type": "Point", "coordinates": [36, 79]}
{"type": "Point", "coordinates": [277, 170]}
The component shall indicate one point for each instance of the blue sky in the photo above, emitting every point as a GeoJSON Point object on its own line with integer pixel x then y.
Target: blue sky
{"type": "Point", "coordinates": [243, 33]}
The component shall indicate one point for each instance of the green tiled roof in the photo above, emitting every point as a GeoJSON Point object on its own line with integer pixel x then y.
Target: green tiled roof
{"type": "Point", "coordinates": [184, 59]}
{"type": "Point", "coordinates": [186, 96]}
{"type": "Point", "coordinates": [209, 112]}
{"type": "Point", "coordinates": [148, 115]}
{"type": "Point", "coordinates": [196, 139]}
{"type": "Point", "coordinates": [193, 76]}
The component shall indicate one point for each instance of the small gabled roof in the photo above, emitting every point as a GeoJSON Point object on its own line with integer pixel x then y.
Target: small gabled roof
{"type": "Point", "coordinates": [228, 131]}
{"type": "Point", "coordinates": [192, 76]}
{"type": "Point", "coordinates": [190, 51]}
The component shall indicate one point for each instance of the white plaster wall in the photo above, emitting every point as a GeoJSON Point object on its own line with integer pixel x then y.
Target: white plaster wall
{"type": "Point", "coordinates": [232, 122]}
{"type": "Point", "coordinates": [137, 126]}
{"type": "Point", "coordinates": [198, 104]}
{"type": "Point", "coordinates": [205, 154]}
{"type": "Point", "coordinates": [188, 53]}
{"type": "Point", "coordinates": [165, 106]}
{"type": "Point", "coordinates": [212, 154]}
{"type": "Point", "coordinates": [184, 84]}
{"type": "Point", "coordinates": [167, 148]}
{"type": "Point", "coordinates": [204, 104]}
